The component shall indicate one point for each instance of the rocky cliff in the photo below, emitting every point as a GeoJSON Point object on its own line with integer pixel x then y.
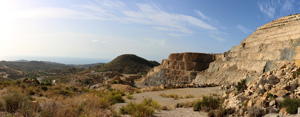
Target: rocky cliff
{"type": "Point", "coordinates": [179, 68]}
{"type": "Point", "coordinates": [267, 48]}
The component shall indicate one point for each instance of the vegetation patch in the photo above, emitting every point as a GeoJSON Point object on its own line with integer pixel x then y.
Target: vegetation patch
{"type": "Point", "coordinates": [207, 103]}
{"type": "Point", "coordinates": [176, 96]}
{"type": "Point", "coordinates": [242, 85]}
{"type": "Point", "coordinates": [144, 109]}
{"type": "Point", "coordinates": [291, 105]}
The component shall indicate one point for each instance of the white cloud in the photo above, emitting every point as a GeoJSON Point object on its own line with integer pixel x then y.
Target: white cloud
{"type": "Point", "coordinates": [287, 6]}
{"type": "Point", "coordinates": [220, 39]}
{"type": "Point", "coordinates": [271, 7]}
{"type": "Point", "coordinates": [202, 15]}
{"type": "Point", "coordinates": [243, 29]}
{"type": "Point", "coordinates": [146, 14]}
{"type": "Point", "coordinates": [152, 15]}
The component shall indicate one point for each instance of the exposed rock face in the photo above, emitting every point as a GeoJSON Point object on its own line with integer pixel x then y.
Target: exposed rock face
{"type": "Point", "coordinates": [270, 46]}
{"type": "Point", "coordinates": [267, 48]}
{"type": "Point", "coordinates": [267, 90]}
{"type": "Point", "coordinates": [179, 68]}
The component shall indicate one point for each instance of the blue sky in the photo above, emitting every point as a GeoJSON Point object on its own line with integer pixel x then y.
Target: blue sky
{"type": "Point", "coordinates": [87, 31]}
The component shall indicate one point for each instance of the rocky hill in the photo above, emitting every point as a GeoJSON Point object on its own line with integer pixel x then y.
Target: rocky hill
{"type": "Point", "coordinates": [269, 46]}
{"type": "Point", "coordinates": [31, 66]}
{"type": "Point", "coordinates": [128, 64]}
{"type": "Point", "coordinates": [179, 68]}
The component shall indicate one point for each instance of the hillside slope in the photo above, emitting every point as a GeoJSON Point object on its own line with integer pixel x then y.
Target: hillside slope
{"type": "Point", "coordinates": [31, 66]}
{"type": "Point", "coordinates": [128, 64]}
{"type": "Point", "coordinates": [271, 45]}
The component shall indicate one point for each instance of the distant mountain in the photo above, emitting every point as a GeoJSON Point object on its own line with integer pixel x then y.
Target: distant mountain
{"type": "Point", "coordinates": [31, 66]}
{"type": "Point", "coordinates": [128, 64]}
{"type": "Point", "coordinates": [86, 66]}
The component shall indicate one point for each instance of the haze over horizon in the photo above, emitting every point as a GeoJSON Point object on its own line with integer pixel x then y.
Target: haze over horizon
{"type": "Point", "coordinates": [89, 31]}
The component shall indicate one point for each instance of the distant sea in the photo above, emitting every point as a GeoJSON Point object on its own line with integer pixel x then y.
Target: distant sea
{"type": "Point", "coordinates": [64, 60]}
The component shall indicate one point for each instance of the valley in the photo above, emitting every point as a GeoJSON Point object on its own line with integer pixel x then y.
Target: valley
{"type": "Point", "coordinates": [258, 77]}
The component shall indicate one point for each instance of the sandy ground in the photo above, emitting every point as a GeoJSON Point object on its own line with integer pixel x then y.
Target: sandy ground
{"type": "Point", "coordinates": [171, 103]}
{"type": "Point", "coordinates": [180, 112]}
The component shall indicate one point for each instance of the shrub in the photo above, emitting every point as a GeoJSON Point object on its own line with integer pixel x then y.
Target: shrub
{"type": "Point", "coordinates": [146, 108]}
{"type": "Point", "coordinates": [207, 103]}
{"type": "Point", "coordinates": [31, 91]}
{"type": "Point", "coordinates": [44, 88]}
{"type": "Point", "coordinates": [256, 111]}
{"type": "Point", "coordinates": [129, 96]}
{"type": "Point", "coordinates": [113, 97]}
{"type": "Point", "coordinates": [174, 96]}
{"type": "Point", "coordinates": [185, 105]}
{"type": "Point", "coordinates": [241, 86]}
{"type": "Point", "coordinates": [13, 101]}
{"type": "Point", "coordinates": [291, 105]}
{"type": "Point", "coordinates": [296, 73]}
{"type": "Point", "coordinates": [189, 96]}
{"type": "Point", "coordinates": [29, 109]}
{"type": "Point", "coordinates": [64, 92]}
{"type": "Point", "coordinates": [117, 99]}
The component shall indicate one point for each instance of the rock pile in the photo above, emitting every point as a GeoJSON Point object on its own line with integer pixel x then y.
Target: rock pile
{"type": "Point", "coordinates": [265, 93]}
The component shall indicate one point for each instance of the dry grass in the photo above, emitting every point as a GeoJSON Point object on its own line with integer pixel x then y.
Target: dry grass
{"type": "Point", "coordinates": [176, 96]}
{"type": "Point", "coordinates": [144, 109]}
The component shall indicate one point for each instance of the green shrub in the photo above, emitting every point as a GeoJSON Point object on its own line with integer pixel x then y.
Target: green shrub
{"type": "Point", "coordinates": [31, 91]}
{"type": "Point", "coordinates": [291, 105]}
{"type": "Point", "coordinates": [296, 73]}
{"type": "Point", "coordinates": [144, 109]}
{"type": "Point", "coordinates": [207, 103]}
{"type": "Point", "coordinates": [117, 99]}
{"type": "Point", "coordinates": [44, 88]}
{"type": "Point", "coordinates": [129, 96]}
{"type": "Point", "coordinates": [241, 86]}
{"type": "Point", "coordinates": [64, 92]}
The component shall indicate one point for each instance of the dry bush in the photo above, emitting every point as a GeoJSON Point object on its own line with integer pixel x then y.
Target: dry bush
{"type": "Point", "coordinates": [12, 101]}
{"type": "Point", "coordinates": [185, 105]}
{"type": "Point", "coordinates": [256, 111]}
{"type": "Point", "coordinates": [15, 101]}
{"type": "Point", "coordinates": [84, 105]}
{"type": "Point", "coordinates": [144, 109]}
{"type": "Point", "coordinates": [189, 96]}
{"type": "Point", "coordinates": [50, 109]}
{"type": "Point", "coordinates": [174, 96]}
{"type": "Point", "coordinates": [207, 103]}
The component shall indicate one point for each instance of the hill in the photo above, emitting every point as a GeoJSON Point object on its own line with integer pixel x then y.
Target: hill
{"type": "Point", "coordinates": [31, 66]}
{"type": "Point", "coordinates": [128, 64]}
{"type": "Point", "coordinates": [86, 66]}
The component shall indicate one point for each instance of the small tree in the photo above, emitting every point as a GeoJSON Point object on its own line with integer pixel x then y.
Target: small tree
{"type": "Point", "coordinates": [241, 86]}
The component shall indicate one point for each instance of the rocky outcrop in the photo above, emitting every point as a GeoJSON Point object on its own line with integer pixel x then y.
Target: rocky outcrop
{"type": "Point", "coordinates": [264, 50]}
{"type": "Point", "coordinates": [179, 68]}
{"type": "Point", "coordinates": [266, 92]}
{"type": "Point", "coordinates": [267, 48]}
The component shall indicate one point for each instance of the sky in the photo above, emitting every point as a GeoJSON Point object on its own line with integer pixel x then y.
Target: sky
{"type": "Point", "coordinates": [90, 31]}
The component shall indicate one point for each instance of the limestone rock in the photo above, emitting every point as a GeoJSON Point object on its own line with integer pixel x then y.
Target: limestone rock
{"type": "Point", "coordinates": [281, 93]}
{"type": "Point", "coordinates": [179, 68]}
{"type": "Point", "coordinates": [272, 103]}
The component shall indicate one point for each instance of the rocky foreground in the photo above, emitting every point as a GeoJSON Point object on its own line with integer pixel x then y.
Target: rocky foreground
{"type": "Point", "coordinates": [266, 93]}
